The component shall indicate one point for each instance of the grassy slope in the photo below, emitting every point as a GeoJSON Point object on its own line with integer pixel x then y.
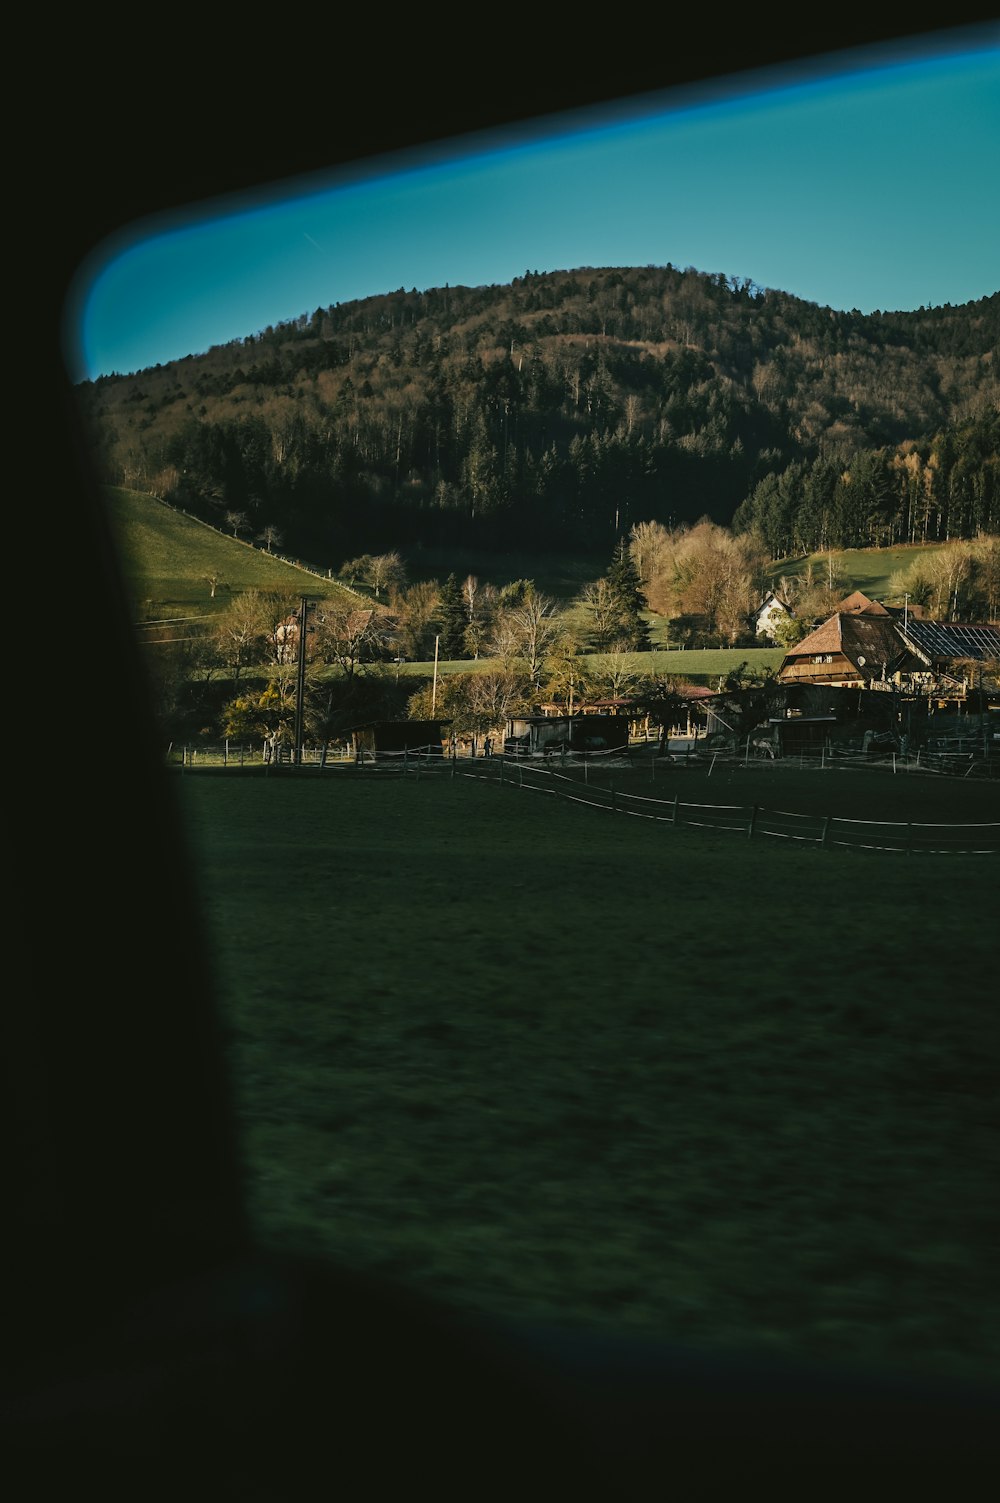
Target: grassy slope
{"type": "Point", "coordinates": [867, 569]}
{"type": "Point", "coordinates": [543, 1061]}
{"type": "Point", "coordinates": [166, 557]}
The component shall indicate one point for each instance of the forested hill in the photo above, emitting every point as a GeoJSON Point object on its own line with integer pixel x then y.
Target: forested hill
{"type": "Point", "coordinates": [568, 406]}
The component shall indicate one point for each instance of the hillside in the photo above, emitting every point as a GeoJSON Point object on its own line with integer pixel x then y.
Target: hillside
{"type": "Point", "coordinates": [173, 562]}
{"type": "Point", "coordinates": [564, 408]}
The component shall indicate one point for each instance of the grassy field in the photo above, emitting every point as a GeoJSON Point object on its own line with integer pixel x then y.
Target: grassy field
{"type": "Point", "coordinates": [549, 1063]}
{"type": "Point", "coordinates": [168, 557]}
{"type": "Point", "coordinates": [867, 569]}
{"type": "Point", "coordinates": [698, 665]}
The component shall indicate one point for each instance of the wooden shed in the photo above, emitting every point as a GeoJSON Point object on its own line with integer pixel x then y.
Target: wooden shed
{"type": "Point", "coordinates": [398, 738]}
{"type": "Point", "coordinates": [536, 735]}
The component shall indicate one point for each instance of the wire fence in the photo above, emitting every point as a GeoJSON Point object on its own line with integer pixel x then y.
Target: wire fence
{"type": "Point", "coordinates": [751, 821]}
{"type": "Point", "coordinates": [570, 776]}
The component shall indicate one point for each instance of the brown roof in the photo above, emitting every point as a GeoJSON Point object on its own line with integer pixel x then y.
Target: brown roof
{"type": "Point", "coordinates": [859, 604]}
{"type": "Point", "coordinates": [873, 638]}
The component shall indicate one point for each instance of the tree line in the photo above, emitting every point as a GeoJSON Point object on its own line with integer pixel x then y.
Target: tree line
{"type": "Point", "coordinates": [574, 405]}
{"type": "Point", "coordinates": [238, 678]}
{"type": "Point", "coordinates": [945, 487]}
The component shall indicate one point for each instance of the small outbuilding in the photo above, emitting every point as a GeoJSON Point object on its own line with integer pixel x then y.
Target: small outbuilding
{"type": "Point", "coordinates": [398, 738]}
{"type": "Point", "coordinates": [538, 735]}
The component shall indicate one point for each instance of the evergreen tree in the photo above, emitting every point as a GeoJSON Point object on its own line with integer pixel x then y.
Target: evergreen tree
{"type": "Point", "coordinates": [629, 627]}
{"type": "Point", "coordinates": [453, 618]}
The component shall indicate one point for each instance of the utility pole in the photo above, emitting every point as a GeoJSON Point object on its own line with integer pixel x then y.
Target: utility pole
{"type": "Point", "coordinates": [300, 681]}
{"type": "Point", "coordinates": [434, 692]}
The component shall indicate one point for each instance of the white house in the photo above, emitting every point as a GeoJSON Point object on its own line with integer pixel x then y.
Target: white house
{"type": "Point", "coordinates": [771, 610]}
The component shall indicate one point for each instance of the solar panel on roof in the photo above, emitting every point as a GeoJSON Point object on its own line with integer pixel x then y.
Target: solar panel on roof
{"type": "Point", "coordinates": [955, 639]}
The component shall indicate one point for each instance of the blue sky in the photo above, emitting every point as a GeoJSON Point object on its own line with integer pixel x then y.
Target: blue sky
{"type": "Point", "coordinates": [870, 183]}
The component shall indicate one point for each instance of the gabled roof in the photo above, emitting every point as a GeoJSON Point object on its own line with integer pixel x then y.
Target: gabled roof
{"type": "Point", "coordinates": [868, 642]}
{"type": "Point", "coordinates": [858, 604]}
{"type": "Point", "coordinates": [772, 599]}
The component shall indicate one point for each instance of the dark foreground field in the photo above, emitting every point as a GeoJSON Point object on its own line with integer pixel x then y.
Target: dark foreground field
{"type": "Point", "coordinates": [540, 1060]}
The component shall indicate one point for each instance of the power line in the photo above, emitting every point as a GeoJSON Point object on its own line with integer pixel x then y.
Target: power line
{"type": "Point", "coordinates": [170, 621]}
{"type": "Point", "coordinates": [170, 641]}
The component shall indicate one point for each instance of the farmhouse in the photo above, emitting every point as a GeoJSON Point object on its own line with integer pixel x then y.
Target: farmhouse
{"type": "Point", "coordinates": [862, 649]}
{"type": "Point", "coordinates": [771, 610]}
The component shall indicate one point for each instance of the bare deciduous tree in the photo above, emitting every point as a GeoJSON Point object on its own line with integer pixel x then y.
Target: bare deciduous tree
{"type": "Point", "coordinates": [525, 629]}
{"type": "Point", "coordinates": [271, 537]}
{"type": "Point", "coordinates": [242, 632]}
{"type": "Point", "coordinates": [349, 634]}
{"type": "Point", "coordinates": [413, 609]}
{"type": "Point", "coordinates": [237, 522]}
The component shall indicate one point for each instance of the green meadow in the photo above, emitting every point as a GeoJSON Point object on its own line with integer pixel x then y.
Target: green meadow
{"type": "Point", "coordinates": [168, 559]}
{"type": "Point", "coordinates": [545, 1062]}
{"type": "Point", "coordinates": [867, 569]}
{"type": "Point", "coordinates": [696, 665]}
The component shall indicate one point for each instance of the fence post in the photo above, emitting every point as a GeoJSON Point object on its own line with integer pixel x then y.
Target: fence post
{"type": "Point", "coordinates": [753, 821]}
{"type": "Point", "coordinates": [501, 768]}
{"type": "Point", "coordinates": [826, 830]}
{"type": "Point", "coordinates": [909, 840]}
{"type": "Point", "coordinates": [614, 804]}
{"type": "Point", "coordinates": [674, 820]}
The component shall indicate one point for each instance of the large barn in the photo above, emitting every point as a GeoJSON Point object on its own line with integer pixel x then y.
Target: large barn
{"type": "Point", "coordinates": [850, 650]}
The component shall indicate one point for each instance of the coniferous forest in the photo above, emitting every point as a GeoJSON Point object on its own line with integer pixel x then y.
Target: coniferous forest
{"type": "Point", "coordinates": [568, 407]}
